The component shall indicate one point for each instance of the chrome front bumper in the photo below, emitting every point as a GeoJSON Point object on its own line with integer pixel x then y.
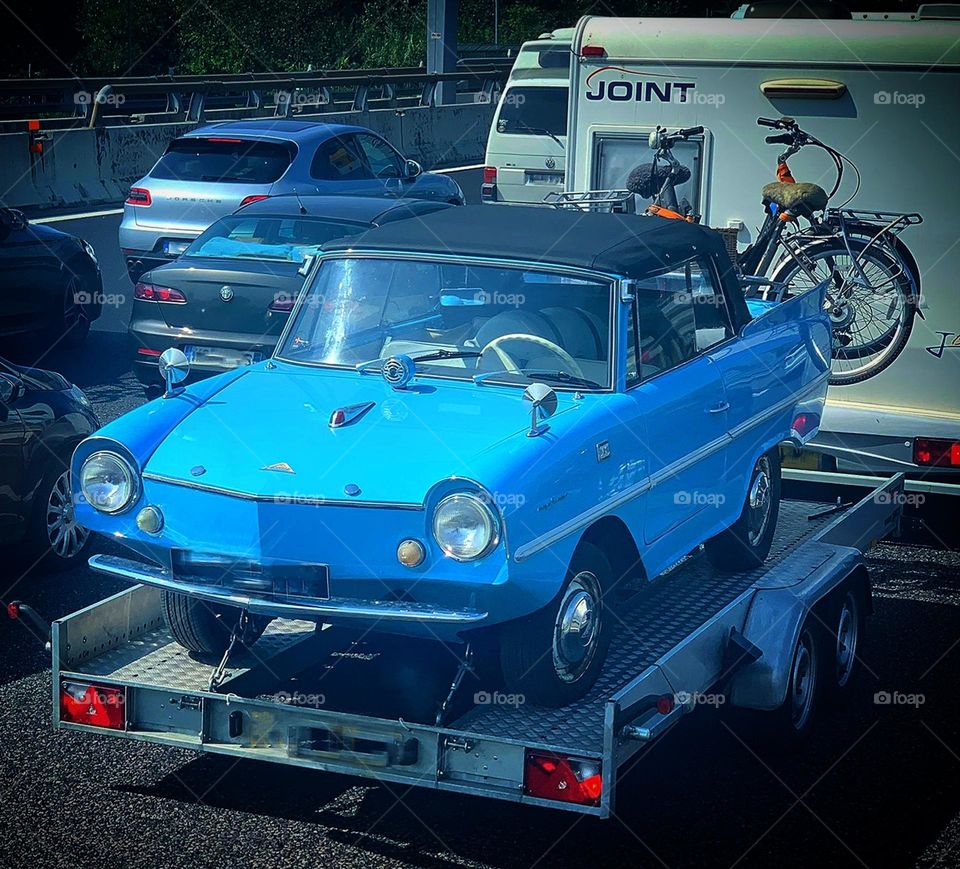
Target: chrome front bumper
{"type": "Point", "coordinates": [336, 609]}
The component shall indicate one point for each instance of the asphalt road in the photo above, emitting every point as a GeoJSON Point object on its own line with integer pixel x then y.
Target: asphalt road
{"type": "Point", "coordinates": [878, 784]}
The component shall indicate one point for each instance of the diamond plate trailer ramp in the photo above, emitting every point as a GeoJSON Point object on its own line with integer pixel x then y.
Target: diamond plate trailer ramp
{"type": "Point", "coordinates": [691, 631]}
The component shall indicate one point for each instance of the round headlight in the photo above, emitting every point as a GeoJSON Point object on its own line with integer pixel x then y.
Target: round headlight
{"type": "Point", "coordinates": [108, 482]}
{"type": "Point", "coordinates": [465, 527]}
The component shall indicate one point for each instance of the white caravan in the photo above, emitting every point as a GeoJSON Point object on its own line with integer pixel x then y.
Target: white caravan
{"type": "Point", "coordinates": [884, 93]}
{"type": "Point", "coordinates": [526, 146]}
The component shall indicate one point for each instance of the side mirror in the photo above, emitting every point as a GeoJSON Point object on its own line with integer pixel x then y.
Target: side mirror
{"type": "Point", "coordinates": [413, 168]}
{"type": "Point", "coordinates": [10, 389]}
{"type": "Point", "coordinates": [174, 368]}
{"type": "Point", "coordinates": [543, 404]}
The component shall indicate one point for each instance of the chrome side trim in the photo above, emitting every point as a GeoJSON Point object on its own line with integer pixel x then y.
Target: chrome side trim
{"type": "Point", "coordinates": [278, 499]}
{"type": "Point", "coordinates": [341, 608]}
{"type": "Point", "coordinates": [581, 520]}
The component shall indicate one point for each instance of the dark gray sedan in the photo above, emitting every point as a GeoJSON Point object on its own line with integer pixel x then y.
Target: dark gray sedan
{"type": "Point", "coordinates": [226, 299]}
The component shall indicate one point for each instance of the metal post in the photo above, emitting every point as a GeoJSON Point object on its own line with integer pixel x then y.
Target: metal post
{"type": "Point", "coordinates": [442, 44]}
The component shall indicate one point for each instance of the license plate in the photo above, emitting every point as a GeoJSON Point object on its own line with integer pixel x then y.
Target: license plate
{"type": "Point", "coordinates": [175, 248]}
{"type": "Point", "coordinates": [221, 357]}
{"type": "Point", "coordinates": [544, 178]}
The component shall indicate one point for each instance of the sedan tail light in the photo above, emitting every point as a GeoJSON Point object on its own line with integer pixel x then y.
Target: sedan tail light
{"type": "Point", "coordinates": [561, 778]}
{"type": "Point", "coordinates": [283, 303]}
{"type": "Point", "coordinates": [154, 293]}
{"type": "Point", "coordinates": [936, 453]}
{"type": "Point", "coordinates": [94, 705]}
{"type": "Point", "coordinates": [139, 196]}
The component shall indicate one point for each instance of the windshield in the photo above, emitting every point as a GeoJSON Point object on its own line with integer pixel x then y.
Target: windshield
{"type": "Point", "coordinates": [489, 322]}
{"type": "Point", "coordinates": [287, 239]}
{"type": "Point", "coordinates": [224, 161]}
{"type": "Point", "coordinates": [533, 111]}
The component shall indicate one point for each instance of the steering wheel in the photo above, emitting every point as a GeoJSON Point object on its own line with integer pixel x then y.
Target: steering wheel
{"type": "Point", "coordinates": [509, 362]}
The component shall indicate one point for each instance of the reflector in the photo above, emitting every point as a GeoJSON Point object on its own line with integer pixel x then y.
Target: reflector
{"type": "Point", "coordinates": [564, 779]}
{"type": "Point", "coordinates": [94, 705]}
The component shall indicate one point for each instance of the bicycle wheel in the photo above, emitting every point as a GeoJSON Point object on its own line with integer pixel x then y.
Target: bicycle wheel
{"type": "Point", "coordinates": [870, 299]}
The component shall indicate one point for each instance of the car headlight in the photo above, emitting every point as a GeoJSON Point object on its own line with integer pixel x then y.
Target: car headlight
{"type": "Point", "coordinates": [464, 527]}
{"type": "Point", "coordinates": [108, 482]}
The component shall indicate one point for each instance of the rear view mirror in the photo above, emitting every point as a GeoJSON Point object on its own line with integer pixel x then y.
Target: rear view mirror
{"type": "Point", "coordinates": [461, 297]}
{"type": "Point", "coordinates": [174, 368]}
{"type": "Point", "coordinates": [543, 404]}
{"type": "Point", "coordinates": [412, 168]}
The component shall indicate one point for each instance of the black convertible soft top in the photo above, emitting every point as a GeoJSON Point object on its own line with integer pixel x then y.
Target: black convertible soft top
{"type": "Point", "coordinates": [630, 245]}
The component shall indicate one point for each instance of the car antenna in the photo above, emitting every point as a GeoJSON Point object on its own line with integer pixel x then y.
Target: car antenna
{"type": "Point", "coordinates": [303, 210]}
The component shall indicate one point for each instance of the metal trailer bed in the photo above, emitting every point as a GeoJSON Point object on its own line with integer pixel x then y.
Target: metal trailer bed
{"type": "Point", "coordinates": [695, 629]}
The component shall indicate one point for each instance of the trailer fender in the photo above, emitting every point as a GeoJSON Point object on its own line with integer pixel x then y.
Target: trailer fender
{"type": "Point", "coordinates": [777, 613]}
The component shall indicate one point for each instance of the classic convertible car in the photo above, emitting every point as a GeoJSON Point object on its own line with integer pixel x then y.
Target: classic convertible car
{"type": "Point", "coordinates": [481, 426]}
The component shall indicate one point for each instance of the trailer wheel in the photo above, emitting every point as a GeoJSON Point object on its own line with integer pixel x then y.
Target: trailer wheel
{"type": "Point", "coordinates": [205, 627]}
{"type": "Point", "coordinates": [554, 656]}
{"type": "Point", "coordinates": [746, 543]}
{"type": "Point", "coordinates": [846, 625]}
{"type": "Point", "coordinates": [791, 724]}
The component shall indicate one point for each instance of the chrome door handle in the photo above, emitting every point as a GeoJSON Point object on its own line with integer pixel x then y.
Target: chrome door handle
{"type": "Point", "coordinates": [719, 408]}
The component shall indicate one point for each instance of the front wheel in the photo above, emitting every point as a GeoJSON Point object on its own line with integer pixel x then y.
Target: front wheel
{"type": "Point", "coordinates": [871, 301]}
{"type": "Point", "coordinates": [746, 543]}
{"type": "Point", "coordinates": [554, 656]}
{"type": "Point", "coordinates": [206, 627]}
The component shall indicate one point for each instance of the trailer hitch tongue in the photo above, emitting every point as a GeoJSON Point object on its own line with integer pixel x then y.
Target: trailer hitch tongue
{"type": "Point", "coordinates": [36, 624]}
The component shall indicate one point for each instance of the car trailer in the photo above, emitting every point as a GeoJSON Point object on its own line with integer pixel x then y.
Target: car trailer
{"type": "Point", "coordinates": [117, 670]}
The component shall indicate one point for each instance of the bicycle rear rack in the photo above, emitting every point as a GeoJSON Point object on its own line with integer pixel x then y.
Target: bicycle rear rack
{"type": "Point", "coordinates": [893, 222]}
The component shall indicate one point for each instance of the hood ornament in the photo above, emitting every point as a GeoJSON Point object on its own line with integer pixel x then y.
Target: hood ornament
{"type": "Point", "coordinates": [351, 413]}
{"type": "Point", "coordinates": [282, 467]}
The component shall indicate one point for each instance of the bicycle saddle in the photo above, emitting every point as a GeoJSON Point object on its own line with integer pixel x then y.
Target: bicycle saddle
{"type": "Point", "coordinates": [796, 197]}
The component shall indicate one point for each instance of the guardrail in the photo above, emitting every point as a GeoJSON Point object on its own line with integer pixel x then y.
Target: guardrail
{"type": "Point", "coordinates": [65, 103]}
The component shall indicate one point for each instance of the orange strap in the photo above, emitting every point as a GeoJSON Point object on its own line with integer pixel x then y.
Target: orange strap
{"type": "Point", "coordinates": [660, 211]}
{"type": "Point", "coordinates": [784, 175]}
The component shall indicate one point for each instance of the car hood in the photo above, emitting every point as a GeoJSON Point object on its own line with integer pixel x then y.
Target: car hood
{"type": "Point", "coordinates": [268, 434]}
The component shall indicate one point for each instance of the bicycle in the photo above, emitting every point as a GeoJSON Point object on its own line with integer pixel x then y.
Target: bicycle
{"type": "Point", "coordinates": [873, 289]}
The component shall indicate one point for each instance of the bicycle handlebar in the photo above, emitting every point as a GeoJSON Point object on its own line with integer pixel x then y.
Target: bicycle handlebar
{"type": "Point", "coordinates": [780, 139]}
{"type": "Point", "coordinates": [689, 131]}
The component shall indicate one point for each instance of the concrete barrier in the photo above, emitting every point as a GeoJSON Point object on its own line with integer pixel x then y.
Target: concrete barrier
{"type": "Point", "coordinates": [96, 166]}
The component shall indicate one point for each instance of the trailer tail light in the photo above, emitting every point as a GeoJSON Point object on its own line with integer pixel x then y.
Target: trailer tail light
{"type": "Point", "coordinates": [139, 196]}
{"type": "Point", "coordinates": [95, 705]}
{"type": "Point", "coordinates": [564, 779]}
{"type": "Point", "coordinates": [155, 293]}
{"type": "Point", "coordinates": [593, 51]}
{"type": "Point", "coordinates": [488, 188]}
{"type": "Point", "coordinates": [255, 197]}
{"type": "Point", "coordinates": [936, 453]}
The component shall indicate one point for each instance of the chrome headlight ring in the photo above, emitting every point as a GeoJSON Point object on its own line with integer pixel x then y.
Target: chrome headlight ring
{"type": "Point", "coordinates": [469, 517]}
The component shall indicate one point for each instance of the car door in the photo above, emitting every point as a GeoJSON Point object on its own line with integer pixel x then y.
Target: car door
{"type": "Point", "coordinates": [340, 166]}
{"type": "Point", "coordinates": [387, 166]}
{"type": "Point", "coordinates": [678, 391]}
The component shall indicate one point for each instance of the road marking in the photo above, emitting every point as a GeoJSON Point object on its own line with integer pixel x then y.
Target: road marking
{"type": "Point", "coordinates": [458, 168]}
{"type": "Point", "coordinates": [78, 216]}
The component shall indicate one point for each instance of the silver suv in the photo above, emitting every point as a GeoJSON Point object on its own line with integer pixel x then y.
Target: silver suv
{"type": "Point", "coordinates": [216, 169]}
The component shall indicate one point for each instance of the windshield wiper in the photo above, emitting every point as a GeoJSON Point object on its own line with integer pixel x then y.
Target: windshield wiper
{"type": "Point", "coordinates": [426, 356]}
{"type": "Point", "coordinates": [541, 374]}
{"type": "Point", "coordinates": [543, 131]}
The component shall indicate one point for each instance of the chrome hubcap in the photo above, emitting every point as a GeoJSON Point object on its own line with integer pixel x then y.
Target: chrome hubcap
{"type": "Point", "coordinates": [803, 679]}
{"type": "Point", "coordinates": [848, 628]}
{"type": "Point", "coordinates": [65, 535]}
{"type": "Point", "coordinates": [577, 631]}
{"type": "Point", "coordinates": [759, 500]}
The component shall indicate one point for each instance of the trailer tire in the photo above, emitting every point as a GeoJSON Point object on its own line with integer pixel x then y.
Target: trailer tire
{"type": "Point", "coordinates": [791, 725]}
{"type": "Point", "coordinates": [846, 624]}
{"type": "Point", "coordinates": [553, 656]}
{"type": "Point", "coordinates": [205, 627]}
{"type": "Point", "coordinates": [746, 543]}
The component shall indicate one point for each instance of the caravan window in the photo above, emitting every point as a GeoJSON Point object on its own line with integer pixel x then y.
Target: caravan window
{"type": "Point", "coordinates": [617, 155]}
